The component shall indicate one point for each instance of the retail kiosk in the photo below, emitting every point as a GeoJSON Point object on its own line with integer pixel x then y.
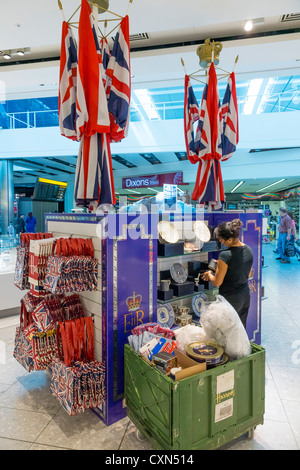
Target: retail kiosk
{"type": "Point", "coordinates": [128, 275]}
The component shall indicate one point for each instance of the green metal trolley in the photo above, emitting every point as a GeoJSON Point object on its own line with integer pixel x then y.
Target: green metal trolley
{"type": "Point", "coordinates": [200, 412]}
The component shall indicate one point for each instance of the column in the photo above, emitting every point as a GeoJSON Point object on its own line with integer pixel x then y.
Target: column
{"type": "Point", "coordinates": [6, 194]}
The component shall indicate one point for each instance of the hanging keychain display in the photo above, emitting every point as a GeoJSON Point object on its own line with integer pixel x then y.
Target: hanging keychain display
{"type": "Point", "coordinates": [72, 267]}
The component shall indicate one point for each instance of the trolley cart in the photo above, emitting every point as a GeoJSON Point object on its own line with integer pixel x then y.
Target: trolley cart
{"type": "Point", "coordinates": [200, 412]}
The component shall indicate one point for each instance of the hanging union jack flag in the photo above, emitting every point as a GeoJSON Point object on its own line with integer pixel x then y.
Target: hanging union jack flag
{"type": "Point", "coordinates": [102, 104]}
{"type": "Point", "coordinates": [67, 84]}
{"type": "Point", "coordinates": [191, 115]}
{"type": "Point", "coordinates": [213, 139]}
{"type": "Point", "coordinates": [92, 113]}
{"type": "Point", "coordinates": [94, 176]}
{"type": "Point", "coordinates": [230, 135]}
{"type": "Point", "coordinates": [105, 54]}
{"type": "Point", "coordinates": [118, 83]}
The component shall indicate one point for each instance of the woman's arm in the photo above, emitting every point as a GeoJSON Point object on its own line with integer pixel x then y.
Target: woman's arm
{"type": "Point", "coordinates": [217, 278]}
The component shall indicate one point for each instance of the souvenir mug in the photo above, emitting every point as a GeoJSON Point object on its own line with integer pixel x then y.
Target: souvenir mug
{"type": "Point", "coordinates": [165, 284]}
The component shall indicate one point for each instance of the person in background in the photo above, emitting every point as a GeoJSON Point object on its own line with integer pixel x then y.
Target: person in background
{"type": "Point", "coordinates": [284, 234]}
{"type": "Point", "coordinates": [293, 234]}
{"type": "Point", "coordinates": [11, 230]}
{"type": "Point", "coordinates": [30, 223]}
{"type": "Point", "coordinates": [233, 268]}
{"type": "Point", "coordinates": [20, 225]}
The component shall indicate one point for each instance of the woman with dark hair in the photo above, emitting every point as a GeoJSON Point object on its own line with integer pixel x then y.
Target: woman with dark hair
{"type": "Point", "coordinates": [233, 268]}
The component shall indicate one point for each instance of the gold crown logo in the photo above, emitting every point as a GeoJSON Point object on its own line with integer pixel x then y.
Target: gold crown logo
{"type": "Point", "coordinates": [206, 52]}
{"type": "Point", "coordinates": [134, 302]}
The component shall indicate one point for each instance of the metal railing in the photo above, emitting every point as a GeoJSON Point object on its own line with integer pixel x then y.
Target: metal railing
{"type": "Point", "coordinates": [166, 110]}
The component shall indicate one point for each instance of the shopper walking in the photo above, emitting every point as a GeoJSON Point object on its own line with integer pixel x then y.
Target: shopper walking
{"type": "Point", "coordinates": [293, 234]}
{"type": "Point", "coordinates": [30, 223]}
{"type": "Point", "coordinates": [20, 225]}
{"type": "Point", "coordinates": [284, 235]}
{"type": "Point", "coordinates": [233, 268]}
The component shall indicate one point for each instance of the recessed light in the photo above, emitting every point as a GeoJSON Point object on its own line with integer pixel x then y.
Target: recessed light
{"type": "Point", "coordinates": [248, 25]}
{"type": "Point", "coordinates": [6, 56]}
{"type": "Point", "coordinates": [21, 53]}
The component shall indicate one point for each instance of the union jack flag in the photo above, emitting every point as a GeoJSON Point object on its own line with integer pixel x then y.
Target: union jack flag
{"type": "Point", "coordinates": [209, 184]}
{"type": "Point", "coordinates": [91, 104]}
{"type": "Point", "coordinates": [105, 55]}
{"type": "Point", "coordinates": [67, 84]}
{"type": "Point", "coordinates": [94, 175]}
{"type": "Point", "coordinates": [191, 115]}
{"type": "Point", "coordinates": [118, 83]}
{"type": "Point", "coordinates": [230, 134]}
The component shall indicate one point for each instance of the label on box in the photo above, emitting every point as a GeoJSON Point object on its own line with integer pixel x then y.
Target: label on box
{"type": "Point", "coordinates": [224, 397]}
{"type": "Point", "coordinates": [223, 410]}
{"type": "Point", "coordinates": [225, 382]}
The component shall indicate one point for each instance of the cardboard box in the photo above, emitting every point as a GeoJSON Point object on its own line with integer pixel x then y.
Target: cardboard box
{"type": "Point", "coordinates": [189, 366]}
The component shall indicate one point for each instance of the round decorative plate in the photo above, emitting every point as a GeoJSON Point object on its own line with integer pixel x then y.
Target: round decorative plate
{"type": "Point", "coordinates": [167, 231]}
{"type": "Point", "coordinates": [201, 231]}
{"type": "Point", "coordinates": [165, 316]}
{"type": "Point", "coordinates": [197, 303]}
{"type": "Point", "coordinates": [178, 273]}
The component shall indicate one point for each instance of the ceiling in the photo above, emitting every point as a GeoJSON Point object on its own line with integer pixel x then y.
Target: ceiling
{"type": "Point", "coordinates": [161, 34]}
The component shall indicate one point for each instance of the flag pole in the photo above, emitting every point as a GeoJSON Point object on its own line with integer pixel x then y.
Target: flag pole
{"type": "Point", "coordinates": [128, 8]}
{"type": "Point", "coordinates": [61, 9]}
{"type": "Point", "coordinates": [95, 12]}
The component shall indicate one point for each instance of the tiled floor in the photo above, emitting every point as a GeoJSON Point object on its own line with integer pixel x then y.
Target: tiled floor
{"type": "Point", "coordinates": [32, 419]}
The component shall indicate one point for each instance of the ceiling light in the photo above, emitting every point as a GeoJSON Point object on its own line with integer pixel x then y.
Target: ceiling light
{"type": "Point", "coordinates": [20, 53]}
{"type": "Point", "coordinates": [248, 25]}
{"type": "Point", "coordinates": [269, 185]}
{"type": "Point", "coordinates": [6, 55]}
{"type": "Point", "coordinates": [237, 186]}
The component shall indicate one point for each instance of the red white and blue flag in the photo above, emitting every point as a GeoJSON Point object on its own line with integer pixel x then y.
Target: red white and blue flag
{"type": "Point", "coordinates": [105, 54]}
{"type": "Point", "coordinates": [94, 175]}
{"type": "Point", "coordinates": [67, 84]}
{"type": "Point", "coordinates": [209, 184]}
{"type": "Point", "coordinates": [118, 83]}
{"type": "Point", "coordinates": [230, 134]}
{"type": "Point", "coordinates": [92, 112]}
{"type": "Point", "coordinates": [102, 106]}
{"type": "Point", "coordinates": [191, 116]}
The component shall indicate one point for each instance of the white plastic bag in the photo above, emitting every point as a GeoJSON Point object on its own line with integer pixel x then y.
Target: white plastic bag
{"type": "Point", "coordinates": [189, 334]}
{"type": "Point", "coordinates": [221, 322]}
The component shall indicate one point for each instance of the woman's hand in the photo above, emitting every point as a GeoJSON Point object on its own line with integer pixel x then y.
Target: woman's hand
{"type": "Point", "coordinates": [205, 276]}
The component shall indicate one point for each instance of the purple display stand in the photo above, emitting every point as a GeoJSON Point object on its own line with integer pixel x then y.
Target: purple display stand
{"type": "Point", "coordinates": [129, 295]}
{"type": "Point", "coordinates": [129, 281]}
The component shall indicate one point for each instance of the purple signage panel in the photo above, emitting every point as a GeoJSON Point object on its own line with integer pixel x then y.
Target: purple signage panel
{"type": "Point", "coordinates": [152, 181]}
{"type": "Point", "coordinates": [131, 299]}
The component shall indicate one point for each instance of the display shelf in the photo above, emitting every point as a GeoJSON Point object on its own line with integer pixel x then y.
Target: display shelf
{"type": "Point", "coordinates": [176, 299]}
{"type": "Point", "coordinates": [190, 253]}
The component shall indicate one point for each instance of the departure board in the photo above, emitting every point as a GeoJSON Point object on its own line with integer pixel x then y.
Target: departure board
{"type": "Point", "coordinates": [49, 190]}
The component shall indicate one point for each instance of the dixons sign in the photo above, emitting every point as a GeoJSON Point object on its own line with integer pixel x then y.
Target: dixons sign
{"type": "Point", "coordinates": [150, 181]}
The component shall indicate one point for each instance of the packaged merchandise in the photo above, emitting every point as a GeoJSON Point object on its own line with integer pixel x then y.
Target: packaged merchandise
{"type": "Point", "coordinates": [222, 324]}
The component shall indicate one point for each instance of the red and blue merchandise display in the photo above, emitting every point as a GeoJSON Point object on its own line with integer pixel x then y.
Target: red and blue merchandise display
{"type": "Point", "coordinates": [127, 283]}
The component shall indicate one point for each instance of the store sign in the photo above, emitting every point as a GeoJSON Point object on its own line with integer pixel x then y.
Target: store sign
{"type": "Point", "coordinates": [152, 181]}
